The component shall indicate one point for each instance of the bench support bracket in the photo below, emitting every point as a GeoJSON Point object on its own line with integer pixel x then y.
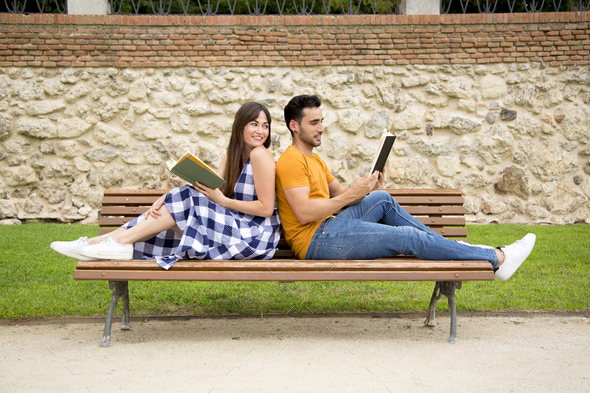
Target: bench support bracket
{"type": "Point", "coordinates": [120, 291]}
{"type": "Point", "coordinates": [444, 288]}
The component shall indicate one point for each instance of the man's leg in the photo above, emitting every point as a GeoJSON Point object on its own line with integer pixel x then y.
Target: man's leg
{"type": "Point", "coordinates": [344, 238]}
{"type": "Point", "coordinates": [379, 206]}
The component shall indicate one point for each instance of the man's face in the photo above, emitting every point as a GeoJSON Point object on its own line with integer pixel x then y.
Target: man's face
{"type": "Point", "coordinates": [311, 128]}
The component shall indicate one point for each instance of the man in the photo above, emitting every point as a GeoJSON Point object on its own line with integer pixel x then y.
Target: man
{"type": "Point", "coordinates": [373, 225]}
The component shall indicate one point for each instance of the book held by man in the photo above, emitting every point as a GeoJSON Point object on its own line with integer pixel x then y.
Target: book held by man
{"type": "Point", "coordinates": [192, 169]}
{"type": "Point", "coordinates": [385, 145]}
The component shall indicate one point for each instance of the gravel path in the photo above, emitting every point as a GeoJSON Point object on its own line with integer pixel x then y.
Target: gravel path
{"type": "Point", "coordinates": [288, 354]}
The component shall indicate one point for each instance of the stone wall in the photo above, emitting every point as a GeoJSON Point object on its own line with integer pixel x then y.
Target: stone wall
{"type": "Point", "coordinates": [513, 137]}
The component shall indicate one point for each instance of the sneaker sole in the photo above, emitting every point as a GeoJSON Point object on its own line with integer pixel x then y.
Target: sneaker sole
{"type": "Point", "coordinates": [104, 255]}
{"type": "Point", "coordinates": [72, 254]}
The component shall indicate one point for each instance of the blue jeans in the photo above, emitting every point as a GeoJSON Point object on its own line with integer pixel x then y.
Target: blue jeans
{"type": "Point", "coordinates": [378, 227]}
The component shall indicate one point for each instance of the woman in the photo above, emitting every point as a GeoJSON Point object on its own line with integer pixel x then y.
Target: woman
{"type": "Point", "coordinates": [240, 222]}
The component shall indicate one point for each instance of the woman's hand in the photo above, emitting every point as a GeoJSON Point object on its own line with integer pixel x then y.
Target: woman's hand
{"type": "Point", "coordinates": [213, 194]}
{"type": "Point", "coordinates": [153, 210]}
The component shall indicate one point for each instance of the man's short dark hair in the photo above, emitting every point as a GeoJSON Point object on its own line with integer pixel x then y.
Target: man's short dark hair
{"type": "Point", "coordinates": [295, 107]}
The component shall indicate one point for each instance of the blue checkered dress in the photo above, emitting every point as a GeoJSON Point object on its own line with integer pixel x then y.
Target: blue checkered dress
{"type": "Point", "coordinates": [210, 231]}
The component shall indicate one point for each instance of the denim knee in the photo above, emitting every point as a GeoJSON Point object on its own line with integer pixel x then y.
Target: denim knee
{"type": "Point", "coordinates": [381, 195]}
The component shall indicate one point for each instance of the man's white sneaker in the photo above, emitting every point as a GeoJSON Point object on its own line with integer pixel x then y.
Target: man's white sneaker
{"type": "Point", "coordinates": [108, 249]}
{"type": "Point", "coordinates": [71, 249]}
{"type": "Point", "coordinates": [475, 245]}
{"type": "Point", "coordinates": [514, 256]}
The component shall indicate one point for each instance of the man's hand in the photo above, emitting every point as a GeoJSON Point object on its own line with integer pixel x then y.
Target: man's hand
{"type": "Point", "coordinates": [380, 181]}
{"type": "Point", "coordinates": [364, 185]}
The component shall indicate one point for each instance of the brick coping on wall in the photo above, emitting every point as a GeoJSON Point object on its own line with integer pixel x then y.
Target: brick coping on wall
{"type": "Point", "coordinates": [48, 40]}
{"type": "Point", "coordinates": [293, 20]}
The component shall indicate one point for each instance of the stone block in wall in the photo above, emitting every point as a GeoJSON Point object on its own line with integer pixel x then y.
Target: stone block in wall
{"type": "Point", "coordinates": [495, 145]}
{"type": "Point", "coordinates": [492, 86]}
{"type": "Point", "coordinates": [19, 176]}
{"type": "Point", "coordinates": [525, 126]}
{"type": "Point", "coordinates": [150, 128]}
{"type": "Point", "coordinates": [72, 128]}
{"type": "Point", "coordinates": [59, 169]}
{"type": "Point", "coordinates": [379, 123]}
{"type": "Point", "coordinates": [53, 191]}
{"type": "Point", "coordinates": [17, 145]}
{"type": "Point", "coordinates": [459, 123]}
{"type": "Point", "coordinates": [67, 149]}
{"type": "Point", "coordinates": [102, 154]}
{"type": "Point", "coordinates": [45, 107]}
{"type": "Point", "coordinates": [141, 153]}
{"type": "Point", "coordinates": [350, 120]}
{"type": "Point", "coordinates": [27, 91]}
{"type": "Point", "coordinates": [5, 127]}
{"type": "Point", "coordinates": [112, 176]}
{"type": "Point", "coordinates": [7, 209]}
{"type": "Point", "coordinates": [408, 171]}
{"type": "Point", "coordinates": [576, 122]}
{"type": "Point", "coordinates": [514, 181]}
{"type": "Point", "coordinates": [36, 128]}
{"type": "Point", "coordinates": [554, 158]}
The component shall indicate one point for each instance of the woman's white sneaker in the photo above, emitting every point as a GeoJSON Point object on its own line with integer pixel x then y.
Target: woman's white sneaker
{"type": "Point", "coordinates": [71, 249]}
{"type": "Point", "coordinates": [514, 255]}
{"type": "Point", "coordinates": [108, 249]}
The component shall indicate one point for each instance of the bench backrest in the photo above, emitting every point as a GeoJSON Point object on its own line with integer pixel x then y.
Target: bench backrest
{"type": "Point", "coordinates": [441, 209]}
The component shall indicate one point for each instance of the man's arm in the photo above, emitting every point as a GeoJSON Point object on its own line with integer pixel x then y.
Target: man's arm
{"type": "Point", "coordinates": [308, 210]}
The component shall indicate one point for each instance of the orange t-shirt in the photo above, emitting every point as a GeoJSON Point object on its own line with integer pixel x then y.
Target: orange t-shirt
{"type": "Point", "coordinates": [295, 169]}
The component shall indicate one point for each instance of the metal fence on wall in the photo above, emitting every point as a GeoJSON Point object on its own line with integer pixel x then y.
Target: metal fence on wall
{"type": "Point", "coordinates": [296, 7]}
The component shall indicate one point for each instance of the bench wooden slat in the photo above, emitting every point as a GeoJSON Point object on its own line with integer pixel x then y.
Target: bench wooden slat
{"type": "Point", "coordinates": [142, 192]}
{"type": "Point", "coordinates": [414, 210]}
{"type": "Point", "coordinates": [395, 192]}
{"type": "Point", "coordinates": [430, 221]}
{"type": "Point", "coordinates": [440, 221]}
{"type": "Point", "coordinates": [435, 210]}
{"type": "Point", "coordinates": [114, 221]}
{"type": "Point", "coordinates": [128, 200]}
{"type": "Point", "coordinates": [401, 264]}
{"type": "Point", "coordinates": [133, 200]}
{"type": "Point", "coordinates": [430, 201]}
{"type": "Point", "coordinates": [122, 211]}
{"type": "Point", "coordinates": [451, 232]}
{"type": "Point", "coordinates": [392, 191]}
{"type": "Point", "coordinates": [112, 275]}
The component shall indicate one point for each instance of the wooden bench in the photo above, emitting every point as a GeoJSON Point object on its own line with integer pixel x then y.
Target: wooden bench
{"type": "Point", "coordinates": [442, 210]}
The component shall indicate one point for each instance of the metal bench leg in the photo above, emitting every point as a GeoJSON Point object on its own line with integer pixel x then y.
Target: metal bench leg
{"type": "Point", "coordinates": [444, 288]}
{"type": "Point", "coordinates": [120, 290]}
{"type": "Point", "coordinates": [451, 298]}
{"type": "Point", "coordinates": [430, 321]}
{"type": "Point", "coordinates": [126, 320]}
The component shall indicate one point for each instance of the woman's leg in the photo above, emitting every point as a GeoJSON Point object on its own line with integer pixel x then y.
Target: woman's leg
{"type": "Point", "coordinates": [144, 230]}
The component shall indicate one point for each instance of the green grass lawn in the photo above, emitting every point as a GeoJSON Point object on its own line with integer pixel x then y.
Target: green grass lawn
{"type": "Point", "coordinates": [37, 282]}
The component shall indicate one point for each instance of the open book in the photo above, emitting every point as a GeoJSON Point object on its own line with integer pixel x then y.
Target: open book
{"type": "Point", "coordinates": [385, 145]}
{"type": "Point", "coordinates": [192, 169]}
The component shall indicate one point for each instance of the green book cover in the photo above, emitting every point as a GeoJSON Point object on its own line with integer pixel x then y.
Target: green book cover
{"type": "Point", "coordinates": [191, 169]}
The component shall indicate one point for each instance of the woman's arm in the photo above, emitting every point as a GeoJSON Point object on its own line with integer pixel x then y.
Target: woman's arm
{"type": "Point", "coordinates": [263, 170]}
{"type": "Point", "coordinates": [221, 170]}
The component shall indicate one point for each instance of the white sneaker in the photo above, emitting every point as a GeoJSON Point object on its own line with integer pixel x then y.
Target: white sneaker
{"type": "Point", "coordinates": [514, 256]}
{"type": "Point", "coordinates": [71, 249]}
{"type": "Point", "coordinates": [475, 245]}
{"type": "Point", "coordinates": [108, 249]}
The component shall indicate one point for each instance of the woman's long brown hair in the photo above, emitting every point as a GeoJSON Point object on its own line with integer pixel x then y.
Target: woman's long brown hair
{"type": "Point", "coordinates": [234, 165]}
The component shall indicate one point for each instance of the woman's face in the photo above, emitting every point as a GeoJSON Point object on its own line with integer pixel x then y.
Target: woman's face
{"type": "Point", "coordinates": [256, 131]}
